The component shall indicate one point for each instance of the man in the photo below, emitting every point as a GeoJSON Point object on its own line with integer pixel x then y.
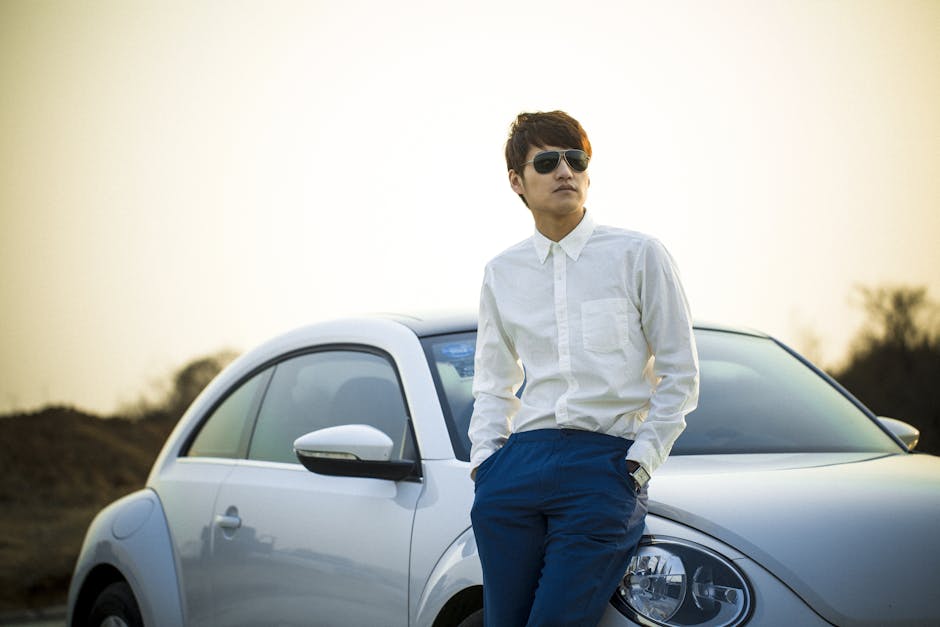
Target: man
{"type": "Point", "coordinates": [594, 319]}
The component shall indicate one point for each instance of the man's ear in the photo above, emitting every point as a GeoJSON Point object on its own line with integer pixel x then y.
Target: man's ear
{"type": "Point", "coordinates": [516, 182]}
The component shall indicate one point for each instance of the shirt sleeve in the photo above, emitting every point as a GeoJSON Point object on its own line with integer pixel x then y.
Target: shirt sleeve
{"type": "Point", "coordinates": [667, 325]}
{"type": "Point", "coordinates": [497, 376]}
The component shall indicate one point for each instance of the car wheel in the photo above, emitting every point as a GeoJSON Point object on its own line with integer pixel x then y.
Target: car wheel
{"type": "Point", "coordinates": [474, 620]}
{"type": "Point", "coordinates": [115, 607]}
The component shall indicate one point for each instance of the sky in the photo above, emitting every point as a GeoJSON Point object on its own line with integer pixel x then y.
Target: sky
{"type": "Point", "coordinates": [179, 177]}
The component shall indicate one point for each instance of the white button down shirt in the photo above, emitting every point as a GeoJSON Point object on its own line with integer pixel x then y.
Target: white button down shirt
{"type": "Point", "coordinates": [599, 328]}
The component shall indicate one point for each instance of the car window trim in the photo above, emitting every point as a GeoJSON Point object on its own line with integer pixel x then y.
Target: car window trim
{"type": "Point", "coordinates": [337, 347]}
{"type": "Point", "coordinates": [250, 420]}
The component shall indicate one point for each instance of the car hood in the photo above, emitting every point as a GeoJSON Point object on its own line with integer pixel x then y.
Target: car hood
{"type": "Point", "coordinates": [855, 535]}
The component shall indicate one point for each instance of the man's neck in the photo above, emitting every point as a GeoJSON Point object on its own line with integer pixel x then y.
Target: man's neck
{"type": "Point", "coordinates": [557, 227]}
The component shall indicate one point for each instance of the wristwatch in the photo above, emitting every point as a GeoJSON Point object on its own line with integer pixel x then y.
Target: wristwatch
{"type": "Point", "coordinates": [640, 477]}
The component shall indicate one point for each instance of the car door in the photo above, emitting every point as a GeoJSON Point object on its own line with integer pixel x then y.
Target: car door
{"type": "Point", "coordinates": [291, 547]}
{"type": "Point", "coordinates": [188, 489]}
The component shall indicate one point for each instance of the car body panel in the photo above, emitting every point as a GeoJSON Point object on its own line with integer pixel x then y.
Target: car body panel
{"type": "Point", "coordinates": [774, 604]}
{"type": "Point", "coordinates": [441, 562]}
{"type": "Point", "coordinates": [131, 536]}
{"type": "Point", "coordinates": [188, 490]}
{"type": "Point", "coordinates": [858, 522]}
{"type": "Point", "coordinates": [311, 548]}
{"type": "Point", "coordinates": [457, 569]}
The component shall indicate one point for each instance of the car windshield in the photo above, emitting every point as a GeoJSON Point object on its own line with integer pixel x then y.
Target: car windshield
{"type": "Point", "coordinates": [756, 397]}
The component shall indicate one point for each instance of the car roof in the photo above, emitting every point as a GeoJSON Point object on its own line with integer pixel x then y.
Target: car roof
{"type": "Point", "coordinates": [429, 324]}
{"type": "Point", "coordinates": [437, 323]}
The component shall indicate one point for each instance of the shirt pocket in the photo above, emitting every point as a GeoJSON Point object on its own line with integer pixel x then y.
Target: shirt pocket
{"type": "Point", "coordinates": [605, 324]}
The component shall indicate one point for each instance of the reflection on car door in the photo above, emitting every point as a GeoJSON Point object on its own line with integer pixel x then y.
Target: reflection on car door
{"type": "Point", "coordinates": [296, 548]}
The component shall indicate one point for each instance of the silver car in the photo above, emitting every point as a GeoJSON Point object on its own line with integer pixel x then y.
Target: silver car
{"type": "Point", "coordinates": [323, 479]}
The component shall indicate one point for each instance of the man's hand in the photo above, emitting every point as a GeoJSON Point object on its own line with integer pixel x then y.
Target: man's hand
{"type": "Point", "coordinates": [473, 474]}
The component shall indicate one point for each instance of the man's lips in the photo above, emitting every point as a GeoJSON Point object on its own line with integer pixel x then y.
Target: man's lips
{"type": "Point", "coordinates": [565, 188]}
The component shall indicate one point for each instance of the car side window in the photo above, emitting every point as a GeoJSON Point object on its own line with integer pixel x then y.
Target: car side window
{"type": "Point", "coordinates": [327, 389]}
{"type": "Point", "coordinates": [225, 432]}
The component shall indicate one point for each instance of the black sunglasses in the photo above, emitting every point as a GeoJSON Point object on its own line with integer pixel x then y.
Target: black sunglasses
{"type": "Point", "coordinates": [547, 161]}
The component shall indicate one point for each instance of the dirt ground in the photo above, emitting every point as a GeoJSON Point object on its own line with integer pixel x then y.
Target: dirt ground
{"type": "Point", "coordinates": [58, 468]}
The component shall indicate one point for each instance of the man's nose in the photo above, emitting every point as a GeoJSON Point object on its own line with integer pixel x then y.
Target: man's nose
{"type": "Point", "coordinates": [563, 171]}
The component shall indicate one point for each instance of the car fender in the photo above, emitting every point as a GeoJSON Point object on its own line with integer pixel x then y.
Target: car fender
{"type": "Point", "coordinates": [456, 570]}
{"type": "Point", "coordinates": [131, 535]}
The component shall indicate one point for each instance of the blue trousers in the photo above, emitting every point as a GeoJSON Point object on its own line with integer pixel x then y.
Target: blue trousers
{"type": "Point", "coordinates": [556, 519]}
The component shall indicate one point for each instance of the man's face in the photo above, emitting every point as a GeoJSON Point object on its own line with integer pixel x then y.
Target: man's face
{"type": "Point", "coordinates": [559, 193]}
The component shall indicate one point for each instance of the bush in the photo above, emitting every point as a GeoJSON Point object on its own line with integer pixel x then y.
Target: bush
{"type": "Point", "coordinates": [894, 363]}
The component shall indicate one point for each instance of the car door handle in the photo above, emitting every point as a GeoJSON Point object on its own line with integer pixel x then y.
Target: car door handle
{"type": "Point", "coordinates": [228, 521]}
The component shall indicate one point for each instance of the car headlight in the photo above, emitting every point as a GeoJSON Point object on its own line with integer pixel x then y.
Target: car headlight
{"type": "Point", "coordinates": [676, 583]}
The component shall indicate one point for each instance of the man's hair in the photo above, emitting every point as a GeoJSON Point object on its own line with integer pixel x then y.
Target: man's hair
{"type": "Point", "coordinates": [552, 128]}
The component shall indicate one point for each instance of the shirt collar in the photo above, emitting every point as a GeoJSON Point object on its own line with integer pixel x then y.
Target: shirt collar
{"type": "Point", "coordinates": [572, 243]}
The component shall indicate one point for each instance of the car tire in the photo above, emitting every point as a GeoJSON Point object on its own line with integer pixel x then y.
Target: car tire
{"type": "Point", "coordinates": [115, 607]}
{"type": "Point", "coordinates": [474, 620]}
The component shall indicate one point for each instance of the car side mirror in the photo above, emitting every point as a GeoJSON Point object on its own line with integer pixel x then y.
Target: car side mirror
{"type": "Point", "coordinates": [909, 434]}
{"type": "Point", "coordinates": [351, 451]}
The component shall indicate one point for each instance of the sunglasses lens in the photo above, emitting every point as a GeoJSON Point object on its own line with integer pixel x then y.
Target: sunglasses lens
{"type": "Point", "coordinates": [577, 159]}
{"type": "Point", "coordinates": [545, 162]}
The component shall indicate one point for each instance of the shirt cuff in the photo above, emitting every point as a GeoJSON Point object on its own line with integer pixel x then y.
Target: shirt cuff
{"type": "Point", "coordinates": [645, 455]}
